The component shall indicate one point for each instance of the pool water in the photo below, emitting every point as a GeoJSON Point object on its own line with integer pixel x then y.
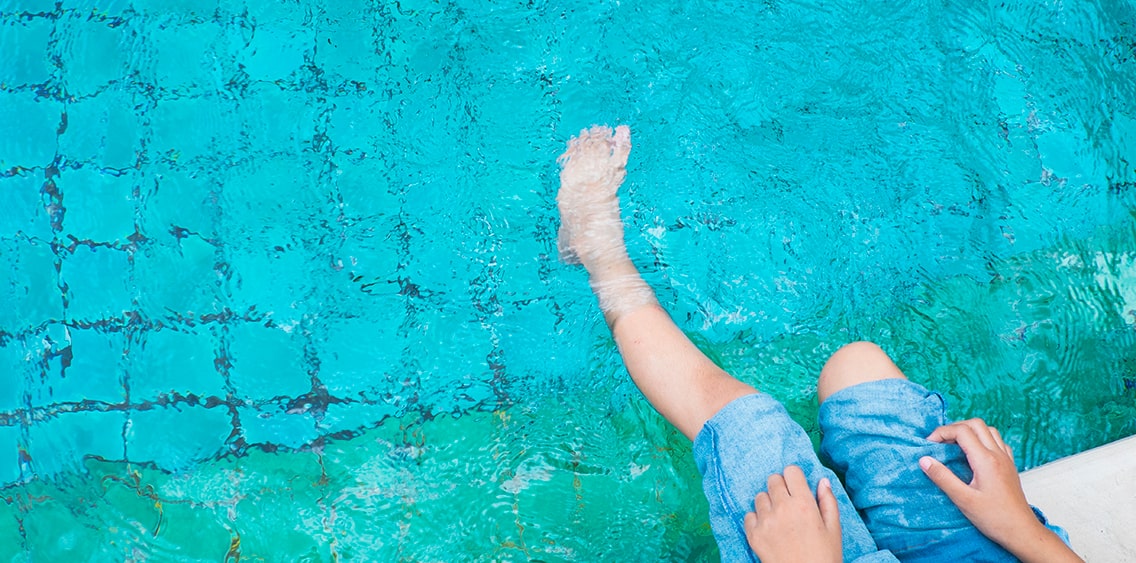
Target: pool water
{"type": "Point", "coordinates": [281, 276]}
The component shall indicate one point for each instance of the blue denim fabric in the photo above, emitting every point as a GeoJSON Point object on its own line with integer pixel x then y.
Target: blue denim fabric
{"type": "Point", "coordinates": [748, 440]}
{"type": "Point", "coordinates": [874, 435]}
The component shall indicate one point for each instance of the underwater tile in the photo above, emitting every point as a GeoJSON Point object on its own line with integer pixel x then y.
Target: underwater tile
{"type": "Point", "coordinates": [46, 349]}
{"type": "Point", "coordinates": [98, 7]}
{"type": "Point", "coordinates": [265, 131]}
{"type": "Point", "coordinates": [276, 52]}
{"type": "Point", "coordinates": [103, 129]}
{"type": "Point", "coordinates": [339, 52]}
{"type": "Point", "coordinates": [58, 444]}
{"type": "Point", "coordinates": [95, 371]}
{"type": "Point", "coordinates": [273, 425]}
{"type": "Point", "coordinates": [367, 191]}
{"type": "Point", "coordinates": [23, 205]}
{"type": "Point", "coordinates": [175, 437]}
{"type": "Point", "coordinates": [9, 454]}
{"type": "Point", "coordinates": [275, 281]}
{"type": "Point", "coordinates": [267, 362]}
{"type": "Point", "coordinates": [27, 130]}
{"type": "Point", "coordinates": [98, 283]}
{"type": "Point", "coordinates": [24, 44]}
{"type": "Point", "coordinates": [177, 279]}
{"type": "Point", "coordinates": [177, 202]}
{"type": "Point", "coordinates": [280, 190]}
{"type": "Point", "coordinates": [37, 8]}
{"type": "Point", "coordinates": [353, 122]}
{"type": "Point", "coordinates": [439, 268]}
{"type": "Point", "coordinates": [32, 288]}
{"type": "Point", "coordinates": [186, 128]}
{"type": "Point", "coordinates": [93, 52]}
{"type": "Point", "coordinates": [356, 417]}
{"type": "Point", "coordinates": [15, 378]}
{"type": "Point", "coordinates": [356, 355]}
{"type": "Point", "coordinates": [43, 525]}
{"type": "Point", "coordinates": [100, 206]}
{"type": "Point", "coordinates": [170, 361]}
{"type": "Point", "coordinates": [523, 328]}
{"type": "Point", "coordinates": [440, 374]}
{"type": "Point", "coordinates": [183, 56]}
{"type": "Point", "coordinates": [178, 9]}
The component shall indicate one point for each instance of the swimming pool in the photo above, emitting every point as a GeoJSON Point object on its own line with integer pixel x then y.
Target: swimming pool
{"type": "Point", "coordinates": [281, 278]}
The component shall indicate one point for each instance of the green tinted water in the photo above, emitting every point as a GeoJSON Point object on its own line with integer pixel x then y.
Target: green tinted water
{"type": "Point", "coordinates": [548, 480]}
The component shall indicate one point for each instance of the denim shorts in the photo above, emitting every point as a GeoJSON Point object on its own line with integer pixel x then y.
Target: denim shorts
{"type": "Point", "coordinates": [750, 439]}
{"type": "Point", "coordinates": [874, 435]}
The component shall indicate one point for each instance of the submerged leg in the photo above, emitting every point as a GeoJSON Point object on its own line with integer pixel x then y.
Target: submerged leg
{"type": "Point", "coordinates": [685, 386]}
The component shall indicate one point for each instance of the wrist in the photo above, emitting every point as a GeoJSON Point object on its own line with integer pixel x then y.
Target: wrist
{"type": "Point", "coordinates": [1036, 542]}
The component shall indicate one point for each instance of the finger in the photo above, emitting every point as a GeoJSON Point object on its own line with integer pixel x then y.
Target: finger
{"type": "Point", "coordinates": [751, 531]}
{"type": "Point", "coordinates": [944, 433]}
{"type": "Point", "coordinates": [829, 508]}
{"type": "Point", "coordinates": [997, 436]}
{"type": "Point", "coordinates": [979, 455]}
{"type": "Point", "coordinates": [961, 434]}
{"type": "Point", "coordinates": [1001, 442]}
{"type": "Point", "coordinates": [762, 504]}
{"type": "Point", "coordinates": [750, 523]}
{"type": "Point", "coordinates": [776, 487]}
{"type": "Point", "coordinates": [982, 432]}
{"type": "Point", "coordinates": [621, 143]}
{"type": "Point", "coordinates": [945, 479]}
{"type": "Point", "coordinates": [796, 482]}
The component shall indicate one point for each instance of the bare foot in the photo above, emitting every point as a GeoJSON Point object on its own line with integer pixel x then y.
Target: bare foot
{"type": "Point", "coordinates": [591, 232]}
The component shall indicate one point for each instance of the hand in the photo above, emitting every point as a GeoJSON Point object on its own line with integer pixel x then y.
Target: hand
{"type": "Point", "coordinates": [788, 524]}
{"type": "Point", "coordinates": [993, 500]}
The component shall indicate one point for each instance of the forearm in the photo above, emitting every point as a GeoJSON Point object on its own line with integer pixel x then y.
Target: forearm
{"type": "Point", "coordinates": [1040, 545]}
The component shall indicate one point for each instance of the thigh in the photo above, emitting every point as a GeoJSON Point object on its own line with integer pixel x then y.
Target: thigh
{"type": "Point", "coordinates": [874, 435]}
{"type": "Point", "coordinates": [737, 450]}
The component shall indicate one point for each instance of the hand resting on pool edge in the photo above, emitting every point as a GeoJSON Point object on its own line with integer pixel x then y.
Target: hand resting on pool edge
{"type": "Point", "coordinates": [746, 446]}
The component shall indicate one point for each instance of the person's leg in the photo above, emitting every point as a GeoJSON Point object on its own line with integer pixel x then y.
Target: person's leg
{"type": "Point", "coordinates": [874, 424]}
{"type": "Point", "coordinates": [852, 364]}
{"type": "Point", "coordinates": [680, 382]}
{"type": "Point", "coordinates": [741, 437]}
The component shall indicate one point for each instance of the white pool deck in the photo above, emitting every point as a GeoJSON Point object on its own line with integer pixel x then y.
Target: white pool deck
{"type": "Point", "coordinates": [1093, 496]}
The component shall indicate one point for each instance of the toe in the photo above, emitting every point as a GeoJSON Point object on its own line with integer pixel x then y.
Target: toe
{"type": "Point", "coordinates": [621, 144]}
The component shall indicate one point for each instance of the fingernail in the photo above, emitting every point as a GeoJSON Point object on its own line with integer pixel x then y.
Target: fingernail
{"type": "Point", "coordinates": [925, 462]}
{"type": "Point", "coordinates": [824, 482]}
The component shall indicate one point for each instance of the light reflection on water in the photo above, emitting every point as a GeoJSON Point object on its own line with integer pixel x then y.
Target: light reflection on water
{"type": "Point", "coordinates": [285, 284]}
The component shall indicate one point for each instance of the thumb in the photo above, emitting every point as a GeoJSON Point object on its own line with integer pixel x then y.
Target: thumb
{"type": "Point", "coordinates": [944, 478]}
{"type": "Point", "coordinates": [829, 509]}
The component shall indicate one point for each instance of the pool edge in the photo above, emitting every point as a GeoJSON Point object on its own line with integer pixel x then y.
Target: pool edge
{"type": "Point", "coordinates": [1093, 496]}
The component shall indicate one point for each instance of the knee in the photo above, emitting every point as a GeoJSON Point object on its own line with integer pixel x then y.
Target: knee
{"type": "Point", "coordinates": [855, 363]}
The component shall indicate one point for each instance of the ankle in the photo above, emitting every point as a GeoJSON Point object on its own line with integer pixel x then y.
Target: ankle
{"type": "Point", "coordinates": [609, 266]}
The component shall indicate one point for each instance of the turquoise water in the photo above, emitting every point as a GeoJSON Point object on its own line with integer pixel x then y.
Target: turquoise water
{"type": "Point", "coordinates": [281, 277]}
